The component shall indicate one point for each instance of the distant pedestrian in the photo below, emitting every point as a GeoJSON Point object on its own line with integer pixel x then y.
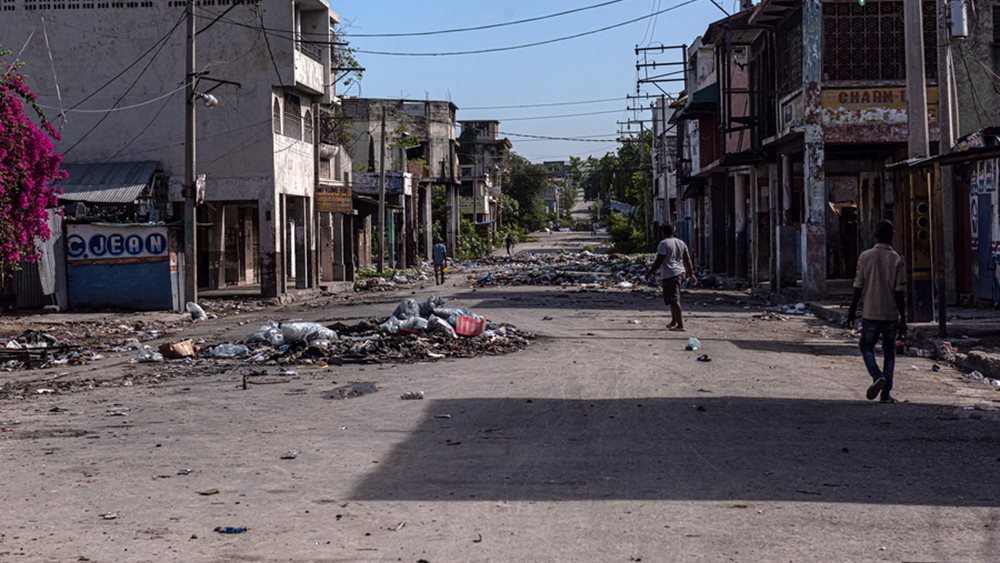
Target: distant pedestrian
{"type": "Point", "coordinates": [881, 278]}
{"type": "Point", "coordinates": [672, 262]}
{"type": "Point", "coordinates": [509, 241]}
{"type": "Point", "coordinates": [593, 229]}
{"type": "Point", "coordinates": [440, 257]}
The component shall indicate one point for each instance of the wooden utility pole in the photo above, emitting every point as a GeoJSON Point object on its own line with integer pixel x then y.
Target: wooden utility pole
{"type": "Point", "coordinates": [190, 161]}
{"type": "Point", "coordinates": [381, 199]}
{"type": "Point", "coordinates": [916, 83]}
{"type": "Point", "coordinates": [945, 197]}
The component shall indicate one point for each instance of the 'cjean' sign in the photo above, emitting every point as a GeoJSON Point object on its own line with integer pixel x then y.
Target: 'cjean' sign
{"type": "Point", "coordinates": [107, 243]}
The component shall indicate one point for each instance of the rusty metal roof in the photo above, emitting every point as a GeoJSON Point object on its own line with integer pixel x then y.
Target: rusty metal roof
{"type": "Point", "coordinates": [107, 182]}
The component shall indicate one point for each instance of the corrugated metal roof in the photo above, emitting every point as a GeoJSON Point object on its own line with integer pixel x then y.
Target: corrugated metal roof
{"type": "Point", "coordinates": [108, 182]}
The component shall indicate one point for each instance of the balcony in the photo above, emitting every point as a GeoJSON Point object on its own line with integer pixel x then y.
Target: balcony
{"type": "Point", "coordinates": [309, 71]}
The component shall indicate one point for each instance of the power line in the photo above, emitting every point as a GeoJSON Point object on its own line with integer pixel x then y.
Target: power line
{"type": "Point", "coordinates": [546, 137]}
{"type": "Point", "coordinates": [480, 27]}
{"type": "Point", "coordinates": [481, 51]}
{"type": "Point", "coordinates": [122, 108]}
{"type": "Point", "coordinates": [545, 105]}
{"type": "Point", "coordinates": [558, 116]}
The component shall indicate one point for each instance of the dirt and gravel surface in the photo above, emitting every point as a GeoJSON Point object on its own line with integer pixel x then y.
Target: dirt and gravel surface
{"type": "Point", "coordinates": [604, 440]}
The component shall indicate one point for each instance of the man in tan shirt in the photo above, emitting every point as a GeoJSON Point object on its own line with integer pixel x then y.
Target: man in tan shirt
{"type": "Point", "coordinates": [881, 278]}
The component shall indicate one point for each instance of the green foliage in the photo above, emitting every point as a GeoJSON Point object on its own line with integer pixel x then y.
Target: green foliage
{"type": "Point", "coordinates": [626, 235]}
{"type": "Point", "coordinates": [470, 243]}
{"type": "Point", "coordinates": [520, 235]}
{"type": "Point", "coordinates": [525, 185]}
{"type": "Point", "coordinates": [567, 199]}
{"type": "Point", "coordinates": [439, 212]}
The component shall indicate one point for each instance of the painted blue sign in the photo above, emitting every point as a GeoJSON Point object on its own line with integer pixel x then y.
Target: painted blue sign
{"type": "Point", "coordinates": [111, 242]}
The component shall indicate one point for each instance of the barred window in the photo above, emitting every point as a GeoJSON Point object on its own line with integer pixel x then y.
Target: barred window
{"type": "Point", "coordinates": [789, 54]}
{"type": "Point", "coordinates": [276, 117]}
{"type": "Point", "coordinates": [307, 127]}
{"type": "Point", "coordinates": [868, 42]}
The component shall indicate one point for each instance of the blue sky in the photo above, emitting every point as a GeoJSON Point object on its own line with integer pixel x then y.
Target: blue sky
{"type": "Point", "coordinates": [588, 68]}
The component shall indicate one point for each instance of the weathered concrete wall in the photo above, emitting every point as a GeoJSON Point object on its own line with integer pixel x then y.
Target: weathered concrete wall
{"type": "Point", "coordinates": [976, 66]}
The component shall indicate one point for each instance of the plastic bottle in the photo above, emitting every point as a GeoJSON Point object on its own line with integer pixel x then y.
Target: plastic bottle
{"type": "Point", "coordinates": [693, 344]}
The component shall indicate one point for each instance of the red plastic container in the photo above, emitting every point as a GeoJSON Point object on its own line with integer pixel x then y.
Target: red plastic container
{"type": "Point", "coordinates": [470, 326]}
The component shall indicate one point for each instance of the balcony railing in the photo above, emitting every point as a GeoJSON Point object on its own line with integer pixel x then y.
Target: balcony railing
{"type": "Point", "coordinates": [310, 50]}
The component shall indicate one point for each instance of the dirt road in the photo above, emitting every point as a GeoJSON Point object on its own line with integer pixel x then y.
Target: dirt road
{"type": "Point", "coordinates": [603, 441]}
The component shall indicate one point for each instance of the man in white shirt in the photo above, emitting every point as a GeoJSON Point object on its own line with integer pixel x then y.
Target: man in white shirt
{"type": "Point", "coordinates": [672, 261]}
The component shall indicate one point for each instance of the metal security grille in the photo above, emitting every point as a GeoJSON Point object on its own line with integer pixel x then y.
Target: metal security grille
{"type": "Point", "coordinates": [868, 42]}
{"type": "Point", "coordinates": [789, 54]}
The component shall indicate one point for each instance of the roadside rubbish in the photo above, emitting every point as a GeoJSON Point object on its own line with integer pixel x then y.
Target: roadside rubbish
{"type": "Point", "coordinates": [208, 492]}
{"type": "Point", "coordinates": [412, 396]}
{"type": "Point", "coordinates": [146, 355]}
{"type": "Point", "coordinates": [230, 351]}
{"type": "Point", "coordinates": [935, 368]}
{"type": "Point", "coordinates": [109, 515]}
{"type": "Point", "coordinates": [584, 269]}
{"type": "Point", "coordinates": [470, 326]}
{"type": "Point", "coordinates": [182, 472]}
{"type": "Point", "coordinates": [351, 391]}
{"type": "Point", "coordinates": [231, 529]}
{"type": "Point", "coordinates": [704, 358]}
{"type": "Point", "coordinates": [291, 454]}
{"type": "Point", "coordinates": [197, 313]}
{"type": "Point", "coordinates": [693, 344]}
{"type": "Point", "coordinates": [177, 350]}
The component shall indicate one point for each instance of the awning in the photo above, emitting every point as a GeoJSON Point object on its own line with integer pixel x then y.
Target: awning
{"type": "Point", "coordinates": [107, 182]}
{"type": "Point", "coordinates": [699, 104]}
{"type": "Point", "coordinates": [959, 157]}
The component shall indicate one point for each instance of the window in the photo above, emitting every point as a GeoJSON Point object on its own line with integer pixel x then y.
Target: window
{"type": "Point", "coordinates": [307, 129]}
{"type": "Point", "coordinates": [276, 117]}
{"type": "Point", "coordinates": [292, 121]}
{"type": "Point", "coordinates": [868, 42]}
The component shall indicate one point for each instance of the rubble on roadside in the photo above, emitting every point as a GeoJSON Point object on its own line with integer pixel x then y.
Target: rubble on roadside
{"type": "Point", "coordinates": [584, 269]}
{"type": "Point", "coordinates": [77, 343]}
{"type": "Point", "coordinates": [415, 332]}
{"type": "Point", "coordinates": [398, 279]}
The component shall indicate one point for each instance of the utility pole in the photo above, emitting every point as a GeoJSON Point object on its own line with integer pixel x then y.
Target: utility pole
{"type": "Point", "coordinates": [190, 160]}
{"type": "Point", "coordinates": [916, 83]}
{"type": "Point", "coordinates": [381, 199]}
{"type": "Point", "coordinates": [946, 196]}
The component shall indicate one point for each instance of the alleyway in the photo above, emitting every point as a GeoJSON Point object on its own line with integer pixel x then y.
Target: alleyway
{"type": "Point", "coordinates": [603, 441]}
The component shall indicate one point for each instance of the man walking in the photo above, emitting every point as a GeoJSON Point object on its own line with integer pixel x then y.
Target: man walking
{"type": "Point", "coordinates": [881, 278]}
{"type": "Point", "coordinates": [440, 252]}
{"type": "Point", "coordinates": [673, 261]}
{"type": "Point", "coordinates": [509, 241]}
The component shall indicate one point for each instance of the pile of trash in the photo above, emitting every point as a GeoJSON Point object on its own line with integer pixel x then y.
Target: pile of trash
{"type": "Point", "coordinates": [416, 331]}
{"type": "Point", "coordinates": [584, 269]}
{"type": "Point", "coordinates": [400, 279]}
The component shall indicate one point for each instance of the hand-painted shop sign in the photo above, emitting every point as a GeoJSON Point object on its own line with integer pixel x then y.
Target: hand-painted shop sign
{"type": "Point", "coordinates": [871, 98]}
{"type": "Point", "coordinates": [334, 199]}
{"type": "Point", "coordinates": [116, 243]}
{"type": "Point", "coordinates": [396, 183]}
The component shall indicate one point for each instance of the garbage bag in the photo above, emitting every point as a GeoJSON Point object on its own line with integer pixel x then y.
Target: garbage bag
{"type": "Point", "coordinates": [230, 351]}
{"type": "Point", "coordinates": [305, 332]}
{"type": "Point", "coordinates": [437, 324]}
{"type": "Point", "coordinates": [197, 313]}
{"type": "Point", "coordinates": [407, 309]}
{"type": "Point", "coordinates": [451, 314]}
{"type": "Point", "coordinates": [270, 333]}
{"type": "Point", "coordinates": [413, 323]}
{"type": "Point", "coordinates": [427, 307]}
{"type": "Point", "coordinates": [390, 326]}
{"type": "Point", "coordinates": [147, 354]}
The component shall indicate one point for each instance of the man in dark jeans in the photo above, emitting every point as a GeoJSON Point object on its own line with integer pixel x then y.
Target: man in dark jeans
{"type": "Point", "coordinates": [882, 278]}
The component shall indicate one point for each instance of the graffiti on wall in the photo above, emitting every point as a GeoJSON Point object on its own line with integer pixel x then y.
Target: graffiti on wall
{"type": "Point", "coordinates": [985, 230]}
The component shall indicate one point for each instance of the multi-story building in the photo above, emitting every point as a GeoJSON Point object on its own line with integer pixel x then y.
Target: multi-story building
{"type": "Point", "coordinates": [420, 139]}
{"type": "Point", "coordinates": [793, 116]}
{"type": "Point", "coordinates": [484, 158]}
{"type": "Point", "coordinates": [116, 71]}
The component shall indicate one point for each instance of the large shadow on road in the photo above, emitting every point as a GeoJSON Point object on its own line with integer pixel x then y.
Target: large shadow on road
{"type": "Point", "coordinates": [693, 448]}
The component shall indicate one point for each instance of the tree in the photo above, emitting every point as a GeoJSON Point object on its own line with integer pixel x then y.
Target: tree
{"type": "Point", "coordinates": [29, 166]}
{"type": "Point", "coordinates": [526, 186]}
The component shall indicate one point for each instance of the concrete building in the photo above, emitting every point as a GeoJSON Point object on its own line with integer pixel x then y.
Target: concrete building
{"type": "Point", "coordinates": [119, 74]}
{"type": "Point", "coordinates": [421, 140]}
{"type": "Point", "coordinates": [484, 159]}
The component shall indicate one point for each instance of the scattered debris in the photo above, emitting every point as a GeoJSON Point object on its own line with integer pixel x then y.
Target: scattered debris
{"type": "Point", "coordinates": [412, 396]}
{"type": "Point", "coordinates": [230, 351]}
{"type": "Point", "coordinates": [197, 313]}
{"type": "Point", "coordinates": [398, 527]}
{"type": "Point", "coordinates": [178, 350]}
{"type": "Point", "coordinates": [231, 529]}
{"type": "Point", "coordinates": [109, 515]}
{"type": "Point", "coordinates": [704, 358]}
{"type": "Point", "coordinates": [208, 492]}
{"type": "Point", "coordinates": [291, 454]}
{"type": "Point", "coordinates": [146, 355]}
{"type": "Point", "coordinates": [351, 391]}
{"type": "Point", "coordinates": [693, 344]}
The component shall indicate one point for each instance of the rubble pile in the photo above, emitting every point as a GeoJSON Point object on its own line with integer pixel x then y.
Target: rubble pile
{"type": "Point", "coordinates": [230, 306]}
{"type": "Point", "coordinates": [76, 343]}
{"type": "Point", "coordinates": [399, 279]}
{"type": "Point", "coordinates": [414, 332]}
{"type": "Point", "coordinates": [584, 269]}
